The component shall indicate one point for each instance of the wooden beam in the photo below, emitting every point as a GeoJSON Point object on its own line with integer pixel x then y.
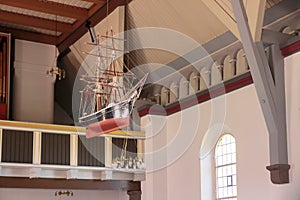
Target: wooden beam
{"type": "Point", "coordinates": [80, 184]}
{"type": "Point", "coordinates": [255, 13]}
{"type": "Point", "coordinates": [30, 36]}
{"type": "Point", "coordinates": [269, 84]}
{"type": "Point", "coordinates": [34, 22]}
{"type": "Point", "coordinates": [49, 7]}
{"type": "Point", "coordinates": [96, 15]}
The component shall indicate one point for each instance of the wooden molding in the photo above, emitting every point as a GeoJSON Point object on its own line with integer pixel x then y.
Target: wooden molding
{"type": "Point", "coordinates": [80, 184]}
{"type": "Point", "coordinates": [291, 49]}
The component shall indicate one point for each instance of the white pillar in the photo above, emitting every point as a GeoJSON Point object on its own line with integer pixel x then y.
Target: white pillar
{"type": "Point", "coordinates": [37, 147]}
{"type": "Point", "coordinates": [73, 149]}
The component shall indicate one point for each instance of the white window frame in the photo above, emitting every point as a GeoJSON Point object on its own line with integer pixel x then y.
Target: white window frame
{"type": "Point", "coordinates": [225, 168]}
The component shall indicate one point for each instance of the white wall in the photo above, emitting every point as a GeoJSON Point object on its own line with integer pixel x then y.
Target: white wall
{"type": "Point", "coordinates": [46, 194]}
{"type": "Point", "coordinates": [244, 120]}
{"type": "Point", "coordinates": [156, 183]}
{"type": "Point", "coordinates": [33, 89]}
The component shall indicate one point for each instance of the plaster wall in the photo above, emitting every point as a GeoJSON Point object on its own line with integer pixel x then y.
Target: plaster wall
{"type": "Point", "coordinates": [46, 194]}
{"type": "Point", "coordinates": [240, 115]}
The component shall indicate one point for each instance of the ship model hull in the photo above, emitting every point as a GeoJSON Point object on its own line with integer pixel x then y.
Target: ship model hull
{"type": "Point", "coordinates": [113, 117]}
{"type": "Point", "coordinates": [109, 95]}
{"type": "Point", "coordinates": [108, 119]}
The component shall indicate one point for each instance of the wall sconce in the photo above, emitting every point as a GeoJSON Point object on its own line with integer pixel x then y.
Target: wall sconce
{"type": "Point", "coordinates": [65, 193]}
{"type": "Point", "coordinates": [56, 71]}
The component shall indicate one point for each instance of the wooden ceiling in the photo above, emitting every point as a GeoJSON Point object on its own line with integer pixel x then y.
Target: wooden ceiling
{"type": "Point", "coordinates": [57, 22]}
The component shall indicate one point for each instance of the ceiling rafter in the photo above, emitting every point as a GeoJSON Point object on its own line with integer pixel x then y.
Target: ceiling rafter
{"type": "Point", "coordinates": [31, 36]}
{"type": "Point", "coordinates": [18, 18]}
{"type": "Point", "coordinates": [98, 13]}
{"type": "Point", "coordinates": [34, 21]}
{"type": "Point", "coordinates": [49, 7]}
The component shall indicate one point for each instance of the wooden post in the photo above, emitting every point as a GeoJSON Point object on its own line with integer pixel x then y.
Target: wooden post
{"type": "Point", "coordinates": [37, 147]}
{"type": "Point", "coordinates": [73, 150]}
{"type": "Point", "coordinates": [140, 149]}
{"type": "Point", "coordinates": [134, 194]}
{"type": "Point", "coordinates": [108, 151]}
{"type": "Point", "coordinates": [270, 91]}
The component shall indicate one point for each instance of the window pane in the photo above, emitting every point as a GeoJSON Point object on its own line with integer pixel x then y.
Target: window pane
{"type": "Point", "coordinates": [234, 191]}
{"type": "Point", "coordinates": [225, 156]}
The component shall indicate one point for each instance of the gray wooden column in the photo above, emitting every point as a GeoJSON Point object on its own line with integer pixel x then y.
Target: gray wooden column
{"type": "Point", "coordinates": [269, 84]}
{"type": "Point", "coordinates": [134, 194]}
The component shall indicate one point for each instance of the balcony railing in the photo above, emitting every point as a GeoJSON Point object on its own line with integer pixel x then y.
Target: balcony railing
{"type": "Point", "coordinates": [54, 151]}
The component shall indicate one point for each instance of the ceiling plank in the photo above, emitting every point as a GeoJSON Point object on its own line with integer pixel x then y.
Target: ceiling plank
{"type": "Point", "coordinates": [223, 15]}
{"type": "Point", "coordinates": [34, 22]}
{"type": "Point", "coordinates": [30, 36]}
{"type": "Point", "coordinates": [97, 14]}
{"type": "Point", "coordinates": [95, 1]}
{"type": "Point", "coordinates": [49, 7]}
{"type": "Point", "coordinates": [255, 14]}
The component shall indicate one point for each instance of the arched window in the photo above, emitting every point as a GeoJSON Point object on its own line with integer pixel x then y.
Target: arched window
{"type": "Point", "coordinates": [225, 163]}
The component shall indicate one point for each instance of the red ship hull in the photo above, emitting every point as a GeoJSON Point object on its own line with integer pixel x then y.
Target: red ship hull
{"type": "Point", "coordinates": [105, 126]}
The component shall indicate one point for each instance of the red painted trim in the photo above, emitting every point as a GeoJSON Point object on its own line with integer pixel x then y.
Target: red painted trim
{"type": "Point", "coordinates": [200, 98]}
{"type": "Point", "coordinates": [291, 49]}
{"type": "Point", "coordinates": [150, 109]}
{"type": "Point", "coordinates": [238, 84]}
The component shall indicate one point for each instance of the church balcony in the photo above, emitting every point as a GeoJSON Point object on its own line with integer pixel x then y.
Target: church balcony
{"type": "Point", "coordinates": [32, 150]}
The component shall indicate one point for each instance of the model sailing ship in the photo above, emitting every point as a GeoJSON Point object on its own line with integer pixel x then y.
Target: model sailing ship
{"type": "Point", "coordinates": [109, 95]}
